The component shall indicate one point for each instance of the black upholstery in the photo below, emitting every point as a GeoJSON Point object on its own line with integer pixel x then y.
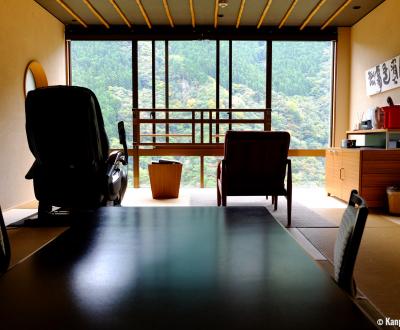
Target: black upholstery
{"type": "Point", "coordinates": [255, 164]}
{"type": "Point", "coordinates": [348, 242]}
{"type": "Point", "coordinates": [66, 135]}
{"type": "Point", "coordinates": [5, 253]}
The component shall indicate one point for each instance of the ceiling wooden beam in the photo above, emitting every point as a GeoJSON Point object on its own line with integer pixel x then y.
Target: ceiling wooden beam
{"type": "Point", "coordinates": [243, 2]}
{"type": "Point", "coordinates": [72, 13]}
{"type": "Point", "coordinates": [166, 7]}
{"type": "Point", "coordinates": [264, 13]}
{"type": "Point", "coordinates": [289, 11]}
{"type": "Point", "coordinates": [143, 11]}
{"type": "Point", "coordinates": [335, 14]}
{"type": "Point", "coordinates": [216, 14]}
{"type": "Point", "coordinates": [311, 14]}
{"type": "Point", "coordinates": [96, 13]}
{"type": "Point", "coordinates": [121, 13]}
{"type": "Point", "coordinates": [192, 13]}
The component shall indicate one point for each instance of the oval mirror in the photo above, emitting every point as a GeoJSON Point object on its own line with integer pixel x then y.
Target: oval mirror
{"type": "Point", "coordinates": [34, 77]}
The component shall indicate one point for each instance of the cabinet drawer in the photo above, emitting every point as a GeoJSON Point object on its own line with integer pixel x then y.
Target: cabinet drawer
{"type": "Point", "coordinates": [383, 155]}
{"type": "Point", "coordinates": [380, 180]}
{"type": "Point", "coordinates": [375, 167]}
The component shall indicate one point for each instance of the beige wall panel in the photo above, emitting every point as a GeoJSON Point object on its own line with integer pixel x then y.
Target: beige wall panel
{"type": "Point", "coordinates": [342, 87]}
{"type": "Point", "coordinates": [27, 32]}
{"type": "Point", "coordinates": [374, 39]}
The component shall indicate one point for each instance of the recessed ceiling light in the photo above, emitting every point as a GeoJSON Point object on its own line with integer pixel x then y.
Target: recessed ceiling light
{"type": "Point", "coordinates": [223, 3]}
{"type": "Point", "coordinates": [356, 7]}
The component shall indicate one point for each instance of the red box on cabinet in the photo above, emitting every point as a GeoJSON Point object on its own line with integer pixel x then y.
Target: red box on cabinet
{"type": "Point", "coordinates": [392, 116]}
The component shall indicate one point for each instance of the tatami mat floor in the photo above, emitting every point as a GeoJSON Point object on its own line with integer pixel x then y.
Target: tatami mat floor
{"type": "Point", "coordinates": [316, 217]}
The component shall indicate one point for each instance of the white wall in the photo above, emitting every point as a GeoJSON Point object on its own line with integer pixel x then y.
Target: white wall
{"type": "Point", "coordinates": [27, 32]}
{"type": "Point", "coordinates": [375, 39]}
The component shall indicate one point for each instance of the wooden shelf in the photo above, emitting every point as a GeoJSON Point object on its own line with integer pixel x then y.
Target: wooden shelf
{"type": "Point", "coordinates": [377, 138]}
{"type": "Point", "coordinates": [374, 131]}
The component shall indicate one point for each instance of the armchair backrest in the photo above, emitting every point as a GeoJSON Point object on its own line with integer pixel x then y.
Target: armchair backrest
{"type": "Point", "coordinates": [348, 242]}
{"type": "Point", "coordinates": [256, 160]}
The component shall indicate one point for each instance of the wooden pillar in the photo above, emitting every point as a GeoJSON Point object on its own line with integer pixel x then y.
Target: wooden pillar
{"type": "Point", "coordinates": [135, 112]}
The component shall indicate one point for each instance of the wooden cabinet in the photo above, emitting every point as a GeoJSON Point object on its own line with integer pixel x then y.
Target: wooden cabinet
{"type": "Point", "coordinates": [370, 171]}
{"type": "Point", "coordinates": [342, 172]}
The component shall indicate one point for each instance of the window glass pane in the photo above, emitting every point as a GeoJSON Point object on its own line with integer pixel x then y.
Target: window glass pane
{"type": "Point", "coordinates": [105, 67]}
{"type": "Point", "coordinates": [210, 171]}
{"type": "Point", "coordinates": [301, 100]}
{"type": "Point", "coordinates": [160, 89]}
{"type": "Point", "coordinates": [145, 75]}
{"type": "Point", "coordinates": [160, 77]}
{"type": "Point", "coordinates": [192, 74]}
{"type": "Point", "coordinates": [248, 74]}
{"type": "Point", "coordinates": [248, 81]}
{"type": "Point", "coordinates": [301, 92]}
{"type": "Point", "coordinates": [223, 76]}
{"type": "Point", "coordinates": [308, 171]}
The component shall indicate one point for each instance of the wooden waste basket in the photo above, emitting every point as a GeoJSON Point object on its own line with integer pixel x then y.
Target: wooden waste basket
{"type": "Point", "coordinates": [165, 180]}
{"type": "Point", "coordinates": [393, 195]}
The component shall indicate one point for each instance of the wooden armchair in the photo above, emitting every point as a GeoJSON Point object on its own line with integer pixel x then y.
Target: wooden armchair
{"type": "Point", "coordinates": [255, 164]}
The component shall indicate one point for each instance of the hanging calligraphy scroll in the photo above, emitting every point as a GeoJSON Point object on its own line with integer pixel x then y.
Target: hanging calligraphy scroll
{"type": "Point", "coordinates": [383, 77]}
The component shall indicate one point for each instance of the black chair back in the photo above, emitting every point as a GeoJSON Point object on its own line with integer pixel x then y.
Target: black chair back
{"type": "Point", "coordinates": [5, 252]}
{"type": "Point", "coordinates": [348, 242]}
{"type": "Point", "coordinates": [66, 135]}
{"type": "Point", "coordinates": [66, 119]}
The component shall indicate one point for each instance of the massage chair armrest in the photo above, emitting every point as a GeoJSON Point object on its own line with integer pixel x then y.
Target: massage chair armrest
{"type": "Point", "coordinates": [116, 176]}
{"type": "Point", "coordinates": [122, 141]}
{"type": "Point", "coordinates": [114, 161]}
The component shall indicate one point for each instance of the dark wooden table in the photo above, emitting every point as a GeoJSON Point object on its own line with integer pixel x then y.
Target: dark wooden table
{"type": "Point", "coordinates": [174, 268]}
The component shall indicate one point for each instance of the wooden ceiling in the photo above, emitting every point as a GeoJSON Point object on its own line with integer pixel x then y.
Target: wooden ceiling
{"type": "Point", "coordinates": [301, 14]}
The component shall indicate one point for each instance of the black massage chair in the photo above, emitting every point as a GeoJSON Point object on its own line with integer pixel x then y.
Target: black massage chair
{"type": "Point", "coordinates": [73, 168]}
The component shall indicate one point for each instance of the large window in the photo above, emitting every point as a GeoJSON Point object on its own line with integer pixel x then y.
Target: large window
{"type": "Point", "coordinates": [182, 75]}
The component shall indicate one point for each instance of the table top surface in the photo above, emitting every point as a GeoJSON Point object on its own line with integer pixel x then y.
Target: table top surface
{"type": "Point", "coordinates": [174, 268]}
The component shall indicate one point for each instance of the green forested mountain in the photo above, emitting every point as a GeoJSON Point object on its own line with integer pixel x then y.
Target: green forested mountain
{"type": "Point", "coordinates": [301, 90]}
